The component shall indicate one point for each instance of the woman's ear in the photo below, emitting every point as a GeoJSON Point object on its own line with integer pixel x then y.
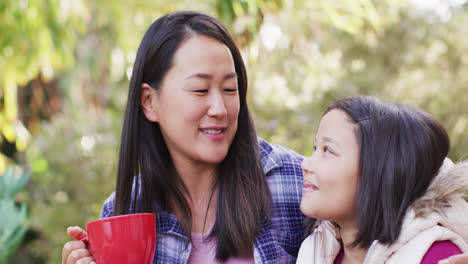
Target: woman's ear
{"type": "Point", "coordinates": [149, 102]}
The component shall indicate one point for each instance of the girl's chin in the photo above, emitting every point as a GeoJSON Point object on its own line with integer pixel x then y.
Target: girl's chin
{"type": "Point", "coordinates": [305, 209]}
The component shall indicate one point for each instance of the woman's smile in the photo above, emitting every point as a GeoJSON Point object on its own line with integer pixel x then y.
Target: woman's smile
{"type": "Point", "coordinates": [215, 133]}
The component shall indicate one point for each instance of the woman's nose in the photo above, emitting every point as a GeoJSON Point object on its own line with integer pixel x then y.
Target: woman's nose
{"type": "Point", "coordinates": [217, 107]}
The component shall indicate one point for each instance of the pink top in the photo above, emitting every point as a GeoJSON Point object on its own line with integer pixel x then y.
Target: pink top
{"type": "Point", "coordinates": [204, 251]}
{"type": "Point", "coordinates": [438, 251]}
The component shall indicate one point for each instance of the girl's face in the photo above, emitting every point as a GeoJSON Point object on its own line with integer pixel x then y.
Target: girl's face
{"type": "Point", "coordinates": [198, 104]}
{"type": "Point", "coordinates": [331, 173]}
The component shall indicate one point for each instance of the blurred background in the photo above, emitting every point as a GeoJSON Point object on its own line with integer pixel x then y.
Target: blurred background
{"type": "Point", "coordinates": [65, 67]}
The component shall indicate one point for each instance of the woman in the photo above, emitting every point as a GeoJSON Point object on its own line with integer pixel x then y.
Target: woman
{"type": "Point", "coordinates": [377, 184]}
{"type": "Point", "coordinates": [219, 193]}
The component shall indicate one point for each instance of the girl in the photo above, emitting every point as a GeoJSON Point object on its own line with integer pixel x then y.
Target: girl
{"type": "Point", "coordinates": [378, 182]}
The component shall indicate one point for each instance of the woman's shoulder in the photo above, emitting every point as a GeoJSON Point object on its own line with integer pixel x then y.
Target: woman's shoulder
{"type": "Point", "coordinates": [108, 206]}
{"type": "Point", "coordinates": [282, 167]}
{"type": "Point", "coordinates": [276, 156]}
{"type": "Point", "coordinates": [268, 148]}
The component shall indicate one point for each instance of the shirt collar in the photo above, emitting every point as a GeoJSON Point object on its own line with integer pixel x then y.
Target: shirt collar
{"type": "Point", "coordinates": [168, 224]}
{"type": "Point", "coordinates": [270, 158]}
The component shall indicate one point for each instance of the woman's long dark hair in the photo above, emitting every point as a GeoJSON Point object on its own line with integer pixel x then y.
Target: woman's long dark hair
{"type": "Point", "coordinates": [401, 150]}
{"type": "Point", "coordinates": [244, 200]}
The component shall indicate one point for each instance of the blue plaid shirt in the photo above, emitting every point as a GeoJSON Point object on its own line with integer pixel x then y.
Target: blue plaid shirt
{"type": "Point", "coordinates": [278, 241]}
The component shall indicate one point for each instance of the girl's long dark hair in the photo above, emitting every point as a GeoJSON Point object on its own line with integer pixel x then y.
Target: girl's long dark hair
{"type": "Point", "coordinates": [244, 200]}
{"type": "Point", "coordinates": [401, 150]}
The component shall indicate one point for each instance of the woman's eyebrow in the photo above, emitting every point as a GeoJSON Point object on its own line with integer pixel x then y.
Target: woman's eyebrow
{"type": "Point", "coordinates": [209, 76]}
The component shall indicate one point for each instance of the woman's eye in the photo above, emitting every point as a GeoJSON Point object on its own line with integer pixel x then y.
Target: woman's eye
{"type": "Point", "coordinates": [326, 149]}
{"type": "Point", "coordinates": [200, 90]}
{"type": "Point", "coordinates": [230, 90]}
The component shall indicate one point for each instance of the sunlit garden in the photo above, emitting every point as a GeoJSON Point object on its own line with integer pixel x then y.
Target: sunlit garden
{"type": "Point", "coordinates": [65, 67]}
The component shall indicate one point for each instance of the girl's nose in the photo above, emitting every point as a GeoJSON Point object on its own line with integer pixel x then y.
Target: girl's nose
{"type": "Point", "coordinates": [307, 164]}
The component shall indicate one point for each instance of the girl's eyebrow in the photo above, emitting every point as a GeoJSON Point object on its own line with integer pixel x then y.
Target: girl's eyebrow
{"type": "Point", "coordinates": [329, 140]}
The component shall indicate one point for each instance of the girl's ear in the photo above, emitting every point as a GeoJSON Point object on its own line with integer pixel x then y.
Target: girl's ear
{"type": "Point", "coordinates": [149, 102]}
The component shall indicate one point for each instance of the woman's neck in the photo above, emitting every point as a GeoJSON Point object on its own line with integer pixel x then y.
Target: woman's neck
{"type": "Point", "coordinates": [352, 255]}
{"type": "Point", "coordinates": [197, 177]}
{"type": "Point", "coordinates": [199, 181]}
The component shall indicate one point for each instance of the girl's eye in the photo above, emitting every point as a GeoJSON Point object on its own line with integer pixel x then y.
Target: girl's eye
{"type": "Point", "coordinates": [327, 150]}
{"type": "Point", "coordinates": [315, 148]}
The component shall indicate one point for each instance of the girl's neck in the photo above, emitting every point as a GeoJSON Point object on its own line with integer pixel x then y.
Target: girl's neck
{"type": "Point", "coordinates": [352, 255]}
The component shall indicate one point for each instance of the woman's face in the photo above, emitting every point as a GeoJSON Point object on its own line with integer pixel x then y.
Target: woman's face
{"type": "Point", "coordinates": [197, 104]}
{"type": "Point", "coordinates": [331, 173]}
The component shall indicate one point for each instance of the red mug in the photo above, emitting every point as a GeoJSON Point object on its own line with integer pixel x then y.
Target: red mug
{"type": "Point", "coordinates": [126, 239]}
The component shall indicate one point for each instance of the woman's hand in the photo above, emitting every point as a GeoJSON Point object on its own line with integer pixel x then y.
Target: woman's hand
{"type": "Point", "coordinates": [76, 251]}
{"type": "Point", "coordinates": [457, 259]}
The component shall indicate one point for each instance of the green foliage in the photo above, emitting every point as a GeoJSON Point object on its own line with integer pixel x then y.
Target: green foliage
{"type": "Point", "coordinates": [14, 179]}
{"type": "Point", "coordinates": [76, 174]}
{"type": "Point", "coordinates": [408, 56]}
{"type": "Point", "coordinates": [11, 229]}
{"type": "Point", "coordinates": [12, 226]}
{"type": "Point", "coordinates": [37, 36]}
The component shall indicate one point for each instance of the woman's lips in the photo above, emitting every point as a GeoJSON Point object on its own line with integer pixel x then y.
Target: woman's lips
{"type": "Point", "coordinates": [215, 133]}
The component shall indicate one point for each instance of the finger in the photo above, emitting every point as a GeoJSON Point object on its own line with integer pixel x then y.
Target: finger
{"type": "Point", "coordinates": [458, 259]}
{"type": "Point", "coordinates": [76, 232]}
{"type": "Point", "coordinates": [86, 260]}
{"type": "Point", "coordinates": [69, 247]}
{"type": "Point", "coordinates": [78, 255]}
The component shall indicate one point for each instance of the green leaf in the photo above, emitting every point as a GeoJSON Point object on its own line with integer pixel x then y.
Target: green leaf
{"type": "Point", "coordinates": [12, 227]}
{"type": "Point", "coordinates": [12, 181]}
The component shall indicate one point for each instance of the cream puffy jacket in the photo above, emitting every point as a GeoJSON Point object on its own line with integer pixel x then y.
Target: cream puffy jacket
{"type": "Point", "coordinates": [441, 214]}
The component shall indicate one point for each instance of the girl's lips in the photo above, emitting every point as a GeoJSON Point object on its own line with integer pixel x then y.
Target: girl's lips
{"type": "Point", "coordinates": [309, 186]}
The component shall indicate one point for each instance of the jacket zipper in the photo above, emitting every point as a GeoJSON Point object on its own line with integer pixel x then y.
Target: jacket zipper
{"type": "Point", "coordinates": [313, 247]}
{"type": "Point", "coordinates": [369, 250]}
